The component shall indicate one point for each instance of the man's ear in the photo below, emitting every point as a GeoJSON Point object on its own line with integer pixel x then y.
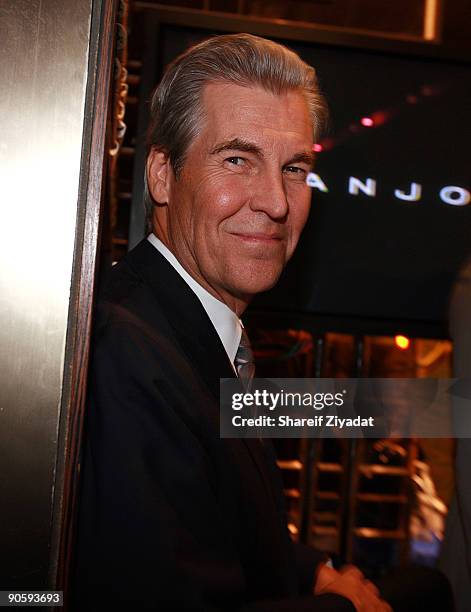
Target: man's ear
{"type": "Point", "coordinates": [159, 171]}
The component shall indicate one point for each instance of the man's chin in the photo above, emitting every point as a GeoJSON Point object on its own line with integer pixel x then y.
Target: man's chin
{"type": "Point", "coordinates": [254, 285]}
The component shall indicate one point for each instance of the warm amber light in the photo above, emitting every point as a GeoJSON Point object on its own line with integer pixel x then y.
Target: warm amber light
{"type": "Point", "coordinates": [431, 25]}
{"type": "Point", "coordinates": [402, 342]}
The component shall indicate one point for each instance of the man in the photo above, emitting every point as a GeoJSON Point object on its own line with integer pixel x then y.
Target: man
{"type": "Point", "coordinates": [172, 517]}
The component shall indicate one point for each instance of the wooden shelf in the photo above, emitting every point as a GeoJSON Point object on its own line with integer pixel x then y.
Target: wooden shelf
{"type": "Point", "coordinates": [382, 497]}
{"type": "Point", "coordinates": [293, 464]}
{"type": "Point", "coordinates": [133, 64]}
{"type": "Point", "coordinates": [133, 79]}
{"type": "Point", "coordinates": [378, 534]}
{"type": "Point", "coordinates": [369, 469]}
{"type": "Point", "coordinates": [322, 530]}
{"type": "Point", "coordinates": [327, 495]}
{"type": "Point", "coordinates": [329, 467]}
{"type": "Point", "coordinates": [325, 516]}
{"type": "Point", "coordinates": [127, 151]}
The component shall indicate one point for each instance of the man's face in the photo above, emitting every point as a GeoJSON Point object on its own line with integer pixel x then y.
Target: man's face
{"type": "Point", "coordinates": [237, 209]}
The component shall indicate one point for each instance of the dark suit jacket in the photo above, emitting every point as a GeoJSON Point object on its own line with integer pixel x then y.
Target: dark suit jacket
{"type": "Point", "coordinates": [171, 516]}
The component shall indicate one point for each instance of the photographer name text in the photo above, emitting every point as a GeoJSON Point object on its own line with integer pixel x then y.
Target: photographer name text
{"type": "Point", "coordinates": [319, 420]}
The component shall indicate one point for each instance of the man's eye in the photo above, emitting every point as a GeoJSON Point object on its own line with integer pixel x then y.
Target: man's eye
{"type": "Point", "coordinates": [237, 161]}
{"type": "Point", "coordinates": [295, 170]}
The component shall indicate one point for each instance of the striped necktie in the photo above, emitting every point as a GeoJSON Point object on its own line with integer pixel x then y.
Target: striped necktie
{"type": "Point", "coordinates": [244, 361]}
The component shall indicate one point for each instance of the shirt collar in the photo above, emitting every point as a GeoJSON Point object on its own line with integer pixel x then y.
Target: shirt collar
{"type": "Point", "coordinates": [225, 321]}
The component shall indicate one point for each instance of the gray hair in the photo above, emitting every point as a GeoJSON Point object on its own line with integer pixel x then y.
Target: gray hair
{"type": "Point", "coordinates": [176, 114]}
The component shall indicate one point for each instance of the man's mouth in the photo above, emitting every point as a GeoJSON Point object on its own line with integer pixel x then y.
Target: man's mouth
{"type": "Point", "coordinates": [259, 237]}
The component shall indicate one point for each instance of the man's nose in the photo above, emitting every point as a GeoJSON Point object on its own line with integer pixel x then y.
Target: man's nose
{"type": "Point", "coordinates": [270, 196]}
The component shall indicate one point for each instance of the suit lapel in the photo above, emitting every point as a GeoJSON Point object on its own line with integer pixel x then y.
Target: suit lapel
{"type": "Point", "coordinates": [195, 333]}
{"type": "Point", "coordinates": [192, 326]}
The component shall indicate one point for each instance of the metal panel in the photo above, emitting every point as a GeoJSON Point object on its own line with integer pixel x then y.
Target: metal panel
{"type": "Point", "coordinates": [44, 71]}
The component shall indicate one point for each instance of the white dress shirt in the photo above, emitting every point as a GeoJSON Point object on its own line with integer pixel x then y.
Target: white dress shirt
{"type": "Point", "coordinates": [225, 321]}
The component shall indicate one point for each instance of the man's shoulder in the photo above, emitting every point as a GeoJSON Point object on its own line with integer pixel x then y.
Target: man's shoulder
{"type": "Point", "coordinates": [145, 302]}
{"type": "Point", "coordinates": [124, 277]}
{"type": "Point", "coordinates": [125, 295]}
{"type": "Point", "coordinates": [144, 320]}
{"type": "Point", "coordinates": [131, 323]}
